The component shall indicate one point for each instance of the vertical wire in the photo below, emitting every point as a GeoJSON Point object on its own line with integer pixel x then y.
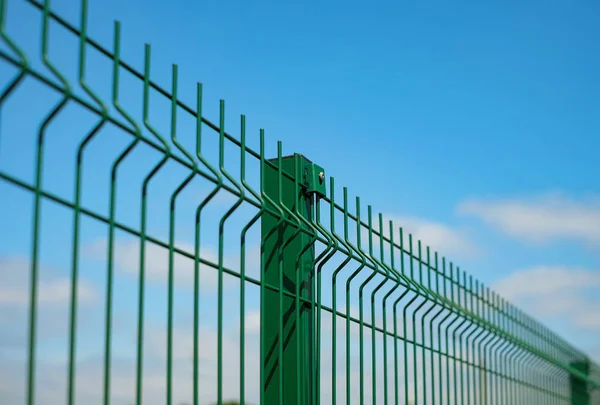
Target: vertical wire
{"type": "Point", "coordinates": [112, 212]}
{"type": "Point", "coordinates": [440, 350]}
{"type": "Point", "coordinates": [395, 312]}
{"type": "Point", "coordinates": [404, 333]}
{"type": "Point", "coordinates": [171, 271]}
{"type": "Point", "coordinates": [30, 395]}
{"type": "Point", "coordinates": [385, 315]}
{"type": "Point", "coordinates": [414, 327]}
{"type": "Point", "coordinates": [243, 263]}
{"type": "Point", "coordinates": [297, 291]}
{"type": "Point", "coordinates": [280, 259]}
{"type": "Point", "coordinates": [218, 180]}
{"type": "Point", "coordinates": [77, 201]}
{"type": "Point", "coordinates": [221, 253]}
{"type": "Point", "coordinates": [423, 344]}
{"type": "Point", "coordinates": [360, 313]}
{"type": "Point", "coordinates": [431, 342]}
{"type": "Point", "coordinates": [143, 223]}
{"type": "Point", "coordinates": [172, 216]}
{"type": "Point", "coordinates": [334, 290]}
{"type": "Point", "coordinates": [262, 279]}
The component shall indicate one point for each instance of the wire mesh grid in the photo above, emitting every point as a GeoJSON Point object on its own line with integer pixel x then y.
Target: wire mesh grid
{"type": "Point", "coordinates": [133, 260]}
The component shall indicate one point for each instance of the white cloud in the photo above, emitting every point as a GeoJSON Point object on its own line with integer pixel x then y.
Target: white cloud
{"type": "Point", "coordinates": [438, 236]}
{"type": "Point", "coordinates": [541, 219]}
{"type": "Point", "coordinates": [444, 239]}
{"type": "Point", "coordinates": [89, 382]}
{"type": "Point", "coordinates": [52, 289]}
{"type": "Point", "coordinates": [556, 292]}
{"type": "Point", "coordinates": [545, 280]}
{"type": "Point", "coordinates": [588, 317]}
{"type": "Point", "coordinates": [52, 316]}
{"type": "Point", "coordinates": [252, 321]}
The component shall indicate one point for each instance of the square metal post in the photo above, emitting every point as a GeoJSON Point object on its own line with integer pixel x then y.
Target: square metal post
{"type": "Point", "coordinates": [288, 261]}
{"type": "Point", "coordinates": [579, 390]}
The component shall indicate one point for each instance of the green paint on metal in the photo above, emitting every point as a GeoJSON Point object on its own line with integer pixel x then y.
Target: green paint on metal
{"type": "Point", "coordinates": [580, 393]}
{"type": "Point", "coordinates": [314, 178]}
{"type": "Point", "coordinates": [288, 261]}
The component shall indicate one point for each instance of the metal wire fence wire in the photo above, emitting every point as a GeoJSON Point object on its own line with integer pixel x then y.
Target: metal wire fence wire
{"type": "Point", "coordinates": [395, 322]}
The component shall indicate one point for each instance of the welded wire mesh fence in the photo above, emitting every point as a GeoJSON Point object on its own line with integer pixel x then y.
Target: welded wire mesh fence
{"type": "Point", "coordinates": [148, 256]}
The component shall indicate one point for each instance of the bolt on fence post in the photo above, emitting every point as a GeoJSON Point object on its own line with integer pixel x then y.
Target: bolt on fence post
{"type": "Point", "coordinates": [579, 389]}
{"type": "Point", "coordinates": [288, 256]}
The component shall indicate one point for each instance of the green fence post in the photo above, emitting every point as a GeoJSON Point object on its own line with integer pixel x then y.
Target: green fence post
{"type": "Point", "coordinates": [288, 263]}
{"type": "Point", "coordinates": [579, 390]}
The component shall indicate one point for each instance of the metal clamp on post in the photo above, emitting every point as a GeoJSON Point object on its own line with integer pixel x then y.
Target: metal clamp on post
{"type": "Point", "coordinates": [314, 178]}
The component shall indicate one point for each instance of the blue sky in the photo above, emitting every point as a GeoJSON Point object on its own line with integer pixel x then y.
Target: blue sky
{"type": "Point", "coordinates": [475, 126]}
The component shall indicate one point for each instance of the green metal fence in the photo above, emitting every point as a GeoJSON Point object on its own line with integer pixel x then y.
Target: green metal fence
{"type": "Point", "coordinates": [201, 270]}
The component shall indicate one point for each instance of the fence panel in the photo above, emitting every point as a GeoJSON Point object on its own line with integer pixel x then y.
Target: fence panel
{"type": "Point", "coordinates": [148, 256]}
